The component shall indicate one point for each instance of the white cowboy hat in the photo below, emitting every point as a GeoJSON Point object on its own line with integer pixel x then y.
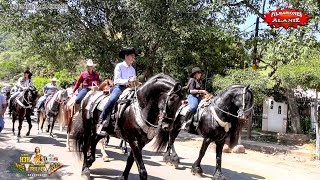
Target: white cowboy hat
{"type": "Point", "coordinates": [90, 63]}
{"type": "Point", "coordinates": [54, 79]}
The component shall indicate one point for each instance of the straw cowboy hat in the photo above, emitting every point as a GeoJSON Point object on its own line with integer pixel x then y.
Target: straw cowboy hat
{"type": "Point", "coordinates": [127, 51]}
{"type": "Point", "coordinates": [90, 63]}
{"type": "Point", "coordinates": [54, 79]}
{"type": "Point", "coordinates": [195, 70]}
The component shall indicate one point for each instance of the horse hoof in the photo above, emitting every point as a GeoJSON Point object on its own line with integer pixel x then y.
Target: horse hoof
{"type": "Point", "coordinates": [14, 133]}
{"type": "Point", "coordinates": [219, 177]}
{"type": "Point", "coordinates": [51, 134]}
{"type": "Point", "coordinates": [85, 174]}
{"type": "Point", "coordinates": [175, 165]}
{"type": "Point", "coordinates": [28, 134]}
{"type": "Point", "coordinates": [196, 171]}
{"type": "Point", "coordinates": [122, 178]}
{"type": "Point", "coordinates": [105, 159]}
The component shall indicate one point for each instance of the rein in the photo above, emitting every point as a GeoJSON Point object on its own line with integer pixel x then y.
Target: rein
{"type": "Point", "coordinates": [243, 106]}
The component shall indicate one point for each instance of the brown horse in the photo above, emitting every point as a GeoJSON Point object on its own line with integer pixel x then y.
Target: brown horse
{"type": "Point", "coordinates": [68, 110]}
{"type": "Point", "coordinates": [21, 107]}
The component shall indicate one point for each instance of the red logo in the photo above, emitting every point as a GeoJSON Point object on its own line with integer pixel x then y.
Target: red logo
{"type": "Point", "coordinates": [286, 18]}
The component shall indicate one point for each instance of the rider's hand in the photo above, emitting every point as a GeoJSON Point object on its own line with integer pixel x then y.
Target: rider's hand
{"type": "Point", "coordinates": [132, 79]}
{"type": "Point", "coordinates": [203, 92]}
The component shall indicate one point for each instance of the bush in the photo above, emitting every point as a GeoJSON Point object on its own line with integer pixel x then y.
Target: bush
{"type": "Point", "coordinates": [64, 78]}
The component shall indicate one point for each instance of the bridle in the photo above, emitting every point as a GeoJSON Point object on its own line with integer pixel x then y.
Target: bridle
{"type": "Point", "coordinates": [29, 104]}
{"type": "Point", "coordinates": [241, 110]}
{"type": "Point", "coordinates": [163, 114]}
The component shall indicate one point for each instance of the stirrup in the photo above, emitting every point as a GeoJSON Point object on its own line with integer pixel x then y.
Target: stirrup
{"type": "Point", "coordinates": [100, 127]}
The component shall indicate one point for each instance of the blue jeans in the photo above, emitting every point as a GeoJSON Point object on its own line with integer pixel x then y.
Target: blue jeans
{"type": "Point", "coordinates": [42, 99]}
{"type": "Point", "coordinates": [1, 123]}
{"type": "Point", "coordinates": [193, 102]}
{"type": "Point", "coordinates": [114, 96]}
{"type": "Point", "coordinates": [81, 95]}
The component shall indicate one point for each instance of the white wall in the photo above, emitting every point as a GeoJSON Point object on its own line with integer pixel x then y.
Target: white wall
{"type": "Point", "coordinates": [274, 117]}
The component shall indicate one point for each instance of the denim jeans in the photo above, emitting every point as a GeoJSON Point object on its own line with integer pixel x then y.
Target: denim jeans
{"type": "Point", "coordinates": [193, 102]}
{"type": "Point", "coordinates": [114, 96]}
{"type": "Point", "coordinates": [1, 123]}
{"type": "Point", "coordinates": [81, 95]}
{"type": "Point", "coordinates": [41, 101]}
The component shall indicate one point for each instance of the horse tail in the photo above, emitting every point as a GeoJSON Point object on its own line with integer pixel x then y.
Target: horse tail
{"type": "Point", "coordinates": [161, 140]}
{"type": "Point", "coordinates": [78, 133]}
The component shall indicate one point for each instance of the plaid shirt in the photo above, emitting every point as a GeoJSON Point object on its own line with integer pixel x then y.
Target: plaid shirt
{"type": "Point", "coordinates": [87, 79]}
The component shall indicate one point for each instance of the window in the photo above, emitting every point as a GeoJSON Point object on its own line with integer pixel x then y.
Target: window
{"type": "Point", "coordinates": [279, 110]}
{"type": "Point", "coordinates": [271, 105]}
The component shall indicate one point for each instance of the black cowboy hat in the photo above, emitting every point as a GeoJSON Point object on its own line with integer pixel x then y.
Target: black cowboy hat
{"type": "Point", "coordinates": [126, 51]}
{"type": "Point", "coordinates": [195, 70]}
{"type": "Point", "coordinates": [28, 72]}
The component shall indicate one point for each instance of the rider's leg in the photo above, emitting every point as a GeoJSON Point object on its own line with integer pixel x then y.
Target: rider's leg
{"type": "Point", "coordinates": [79, 98]}
{"type": "Point", "coordinates": [116, 92]}
{"type": "Point", "coordinates": [193, 103]}
{"type": "Point", "coordinates": [42, 99]}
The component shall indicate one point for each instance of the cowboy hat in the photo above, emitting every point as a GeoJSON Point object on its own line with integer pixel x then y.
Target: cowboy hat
{"type": "Point", "coordinates": [127, 51]}
{"type": "Point", "coordinates": [195, 70]}
{"type": "Point", "coordinates": [28, 72]}
{"type": "Point", "coordinates": [54, 79]}
{"type": "Point", "coordinates": [90, 63]}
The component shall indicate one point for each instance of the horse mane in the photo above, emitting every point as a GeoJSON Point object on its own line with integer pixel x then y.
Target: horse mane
{"type": "Point", "coordinates": [163, 76]}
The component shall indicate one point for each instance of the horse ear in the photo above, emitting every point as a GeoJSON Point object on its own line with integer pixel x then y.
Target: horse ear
{"type": "Point", "coordinates": [247, 87]}
{"type": "Point", "coordinates": [177, 87]}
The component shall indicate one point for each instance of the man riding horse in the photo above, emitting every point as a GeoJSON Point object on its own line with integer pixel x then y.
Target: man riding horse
{"type": "Point", "coordinates": [23, 83]}
{"type": "Point", "coordinates": [49, 89]}
{"type": "Point", "coordinates": [88, 79]}
{"type": "Point", "coordinates": [124, 73]}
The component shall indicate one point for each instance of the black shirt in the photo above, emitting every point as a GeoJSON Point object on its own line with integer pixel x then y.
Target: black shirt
{"type": "Point", "coordinates": [193, 84]}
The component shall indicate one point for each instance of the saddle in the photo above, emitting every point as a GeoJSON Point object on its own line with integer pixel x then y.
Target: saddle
{"type": "Point", "coordinates": [98, 100]}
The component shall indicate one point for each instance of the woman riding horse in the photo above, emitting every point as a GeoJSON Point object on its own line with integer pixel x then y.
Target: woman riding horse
{"type": "Point", "coordinates": [150, 111]}
{"type": "Point", "coordinates": [219, 118]}
{"type": "Point", "coordinates": [23, 84]}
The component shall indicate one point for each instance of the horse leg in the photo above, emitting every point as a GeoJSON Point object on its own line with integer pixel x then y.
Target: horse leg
{"type": "Point", "coordinates": [29, 122]}
{"type": "Point", "coordinates": [13, 121]}
{"type": "Point", "coordinates": [68, 132]}
{"type": "Point", "coordinates": [93, 146]}
{"type": "Point", "coordinates": [126, 171]}
{"type": "Point", "coordinates": [53, 121]}
{"type": "Point", "coordinates": [218, 174]}
{"type": "Point", "coordinates": [48, 122]}
{"type": "Point", "coordinates": [85, 166]}
{"type": "Point", "coordinates": [173, 158]}
{"type": "Point", "coordinates": [105, 156]}
{"type": "Point", "coordinates": [38, 121]}
{"type": "Point", "coordinates": [20, 126]}
{"type": "Point", "coordinates": [196, 168]}
{"type": "Point", "coordinates": [136, 152]}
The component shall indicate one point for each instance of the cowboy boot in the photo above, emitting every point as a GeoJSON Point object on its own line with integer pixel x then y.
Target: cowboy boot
{"type": "Point", "coordinates": [187, 121]}
{"type": "Point", "coordinates": [101, 123]}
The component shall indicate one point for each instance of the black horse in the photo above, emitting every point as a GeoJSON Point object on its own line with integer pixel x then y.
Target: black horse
{"type": "Point", "coordinates": [220, 117]}
{"type": "Point", "coordinates": [151, 111]}
{"type": "Point", "coordinates": [21, 107]}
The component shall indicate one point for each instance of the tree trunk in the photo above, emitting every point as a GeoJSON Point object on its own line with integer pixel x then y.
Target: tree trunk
{"type": "Point", "coordinates": [317, 128]}
{"type": "Point", "coordinates": [294, 112]}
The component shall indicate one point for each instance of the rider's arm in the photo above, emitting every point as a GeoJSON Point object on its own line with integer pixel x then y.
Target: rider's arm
{"type": "Point", "coordinates": [80, 80]}
{"type": "Point", "coordinates": [192, 88]}
{"type": "Point", "coordinates": [19, 83]}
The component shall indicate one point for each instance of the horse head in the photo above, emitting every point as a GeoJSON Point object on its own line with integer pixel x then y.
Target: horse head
{"type": "Point", "coordinates": [162, 95]}
{"type": "Point", "coordinates": [30, 94]}
{"type": "Point", "coordinates": [243, 99]}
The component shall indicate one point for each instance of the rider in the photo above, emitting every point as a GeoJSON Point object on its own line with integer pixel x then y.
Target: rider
{"type": "Point", "coordinates": [23, 83]}
{"type": "Point", "coordinates": [195, 91]}
{"type": "Point", "coordinates": [88, 79]}
{"type": "Point", "coordinates": [3, 107]}
{"type": "Point", "coordinates": [124, 73]}
{"type": "Point", "coordinates": [48, 90]}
